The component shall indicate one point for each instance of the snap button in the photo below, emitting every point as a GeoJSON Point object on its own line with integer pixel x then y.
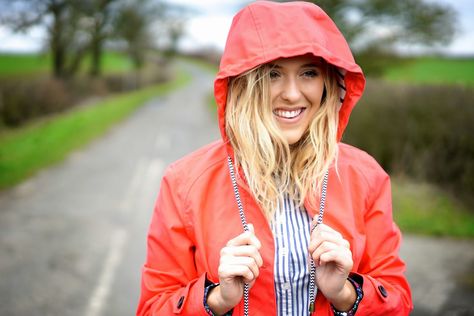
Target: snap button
{"type": "Point", "coordinates": [383, 291]}
{"type": "Point", "coordinates": [286, 286]}
{"type": "Point", "coordinates": [180, 302]}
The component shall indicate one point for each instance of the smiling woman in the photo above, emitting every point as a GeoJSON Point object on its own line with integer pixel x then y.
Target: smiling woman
{"type": "Point", "coordinates": [279, 217]}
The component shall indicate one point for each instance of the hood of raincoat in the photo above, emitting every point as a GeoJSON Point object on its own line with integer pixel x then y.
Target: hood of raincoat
{"type": "Point", "coordinates": [265, 31]}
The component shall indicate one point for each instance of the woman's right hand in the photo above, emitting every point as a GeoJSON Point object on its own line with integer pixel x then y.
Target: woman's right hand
{"type": "Point", "coordinates": [240, 261]}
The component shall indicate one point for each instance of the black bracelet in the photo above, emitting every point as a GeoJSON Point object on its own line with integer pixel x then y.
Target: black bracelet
{"type": "Point", "coordinates": [207, 289]}
{"type": "Point", "coordinates": [353, 310]}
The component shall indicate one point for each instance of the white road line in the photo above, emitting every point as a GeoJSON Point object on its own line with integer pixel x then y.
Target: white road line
{"type": "Point", "coordinates": [102, 289]}
{"type": "Point", "coordinates": [154, 170]}
{"type": "Point", "coordinates": [130, 195]}
{"type": "Point", "coordinates": [150, 184]}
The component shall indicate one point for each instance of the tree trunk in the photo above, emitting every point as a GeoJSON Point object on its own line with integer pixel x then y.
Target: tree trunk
{"type": "Point", "coordinates": [58, 49]}
{"type": "Point", "coordinates": [96, 52]}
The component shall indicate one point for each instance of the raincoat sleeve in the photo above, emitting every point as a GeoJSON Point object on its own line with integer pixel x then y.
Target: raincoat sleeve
{"type": "Point", "coordinates": [170, 283]}
{"type": "Point", "coordinates": [381, 271]}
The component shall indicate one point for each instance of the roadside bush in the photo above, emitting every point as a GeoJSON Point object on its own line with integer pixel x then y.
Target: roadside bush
{"type": "Point", "coordinates": [24, 99]}
{"type": "Point", "coordinates": [426, 132]}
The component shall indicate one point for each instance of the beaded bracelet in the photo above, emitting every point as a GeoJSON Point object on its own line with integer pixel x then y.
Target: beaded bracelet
{"type": "Point", "coordinates": [353, 310]}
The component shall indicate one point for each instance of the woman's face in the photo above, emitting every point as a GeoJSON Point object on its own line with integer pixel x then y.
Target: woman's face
{"type": "Point", "coordinates": [296, 87]}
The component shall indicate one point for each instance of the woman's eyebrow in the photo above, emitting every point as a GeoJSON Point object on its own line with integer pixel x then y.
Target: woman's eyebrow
{"type": "Point", "coordinates": [309, 65]}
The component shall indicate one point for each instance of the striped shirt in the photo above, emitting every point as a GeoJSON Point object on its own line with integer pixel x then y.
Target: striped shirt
{"type": "Point", "coordinates": [291, 230]}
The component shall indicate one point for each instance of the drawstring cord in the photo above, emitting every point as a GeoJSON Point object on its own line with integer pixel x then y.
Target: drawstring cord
{"type": "Point", "coordinates": [244, 224]}
{"type": "Point", "coordinates": [322, 202]}
{"type": "Point", "coordinates": [312, 275]}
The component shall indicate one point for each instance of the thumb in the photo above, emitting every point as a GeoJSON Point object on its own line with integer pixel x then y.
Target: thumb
{"type": "Point", "coordinates": [254, 239]}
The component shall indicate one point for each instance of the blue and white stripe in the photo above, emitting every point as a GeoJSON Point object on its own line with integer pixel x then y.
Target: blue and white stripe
{"type": "Point", "coordinates": [291, 229]}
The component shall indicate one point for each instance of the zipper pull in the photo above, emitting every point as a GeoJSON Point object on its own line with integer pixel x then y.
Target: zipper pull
{"type": "Point", "coordinates": [311, 307]}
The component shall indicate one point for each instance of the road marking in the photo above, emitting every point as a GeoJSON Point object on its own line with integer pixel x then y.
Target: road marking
{"type": "Point", "coordinates": [130, 194]}
{"type": "Point", "coordinates": [155, 167]}
{"type": "Point", "coordinates": [102, 289]}
{"type": "Point", "coordinates": [144, 184]}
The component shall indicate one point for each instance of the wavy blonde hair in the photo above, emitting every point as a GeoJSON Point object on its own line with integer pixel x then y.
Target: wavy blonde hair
{"type": "Point", "coordinates": [270, 165]}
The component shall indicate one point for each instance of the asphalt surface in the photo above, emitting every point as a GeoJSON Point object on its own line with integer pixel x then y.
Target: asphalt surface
{"type": "Point", "coordinates": [72, 238]}
{"type": "Point", "coordinates": [441, 275]}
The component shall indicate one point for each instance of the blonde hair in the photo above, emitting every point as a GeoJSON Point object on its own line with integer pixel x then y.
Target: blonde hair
{"type": "Point", "coordinates": [270, 165]}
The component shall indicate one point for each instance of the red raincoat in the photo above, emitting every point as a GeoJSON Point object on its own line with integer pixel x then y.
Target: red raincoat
{"type": "Point", "coordinates": [196, 213]}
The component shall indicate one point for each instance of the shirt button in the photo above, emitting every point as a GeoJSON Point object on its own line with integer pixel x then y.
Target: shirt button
{"type": "Point", "coordinates": [382, 291]}
{"type": "Point", "coordinates": [286, 286]}
{"type": "Point", "coordinates": [284, 251]}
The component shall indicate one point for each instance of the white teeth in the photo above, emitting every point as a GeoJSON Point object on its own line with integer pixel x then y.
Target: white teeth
{"type": "Point", "coordinates": [288, 114]}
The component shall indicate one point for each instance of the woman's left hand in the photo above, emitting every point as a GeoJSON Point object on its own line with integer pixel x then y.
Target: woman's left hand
{"type": "Point", "coordinates": [333, 259]}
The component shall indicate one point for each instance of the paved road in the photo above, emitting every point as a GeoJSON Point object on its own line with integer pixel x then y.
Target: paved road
{"type": "Point", "coordinates": [72, 239]}
{"type": "Point", "coordinates": [441, 274]}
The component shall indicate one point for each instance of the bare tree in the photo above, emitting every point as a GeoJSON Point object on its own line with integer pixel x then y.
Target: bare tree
{"type": "Point", "coordinates": [62, 19]}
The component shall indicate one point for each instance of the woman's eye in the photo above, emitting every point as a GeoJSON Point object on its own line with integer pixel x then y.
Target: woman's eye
{"type": "Point", "coordinates": [274, 74]}
{"type": "Point", "coordinates": [310, 73]}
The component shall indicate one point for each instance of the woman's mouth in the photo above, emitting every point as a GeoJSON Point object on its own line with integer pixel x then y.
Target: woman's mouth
{"type": "Point", "coordinates": [288, 114]}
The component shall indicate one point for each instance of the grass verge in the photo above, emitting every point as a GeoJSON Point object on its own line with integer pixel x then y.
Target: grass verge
{"type": "Point", "coordinates": [211, 103]}
{"type": "Point", "coordinates": [422, 208]}
{"type": "Point", "coordinates": [26, 150]}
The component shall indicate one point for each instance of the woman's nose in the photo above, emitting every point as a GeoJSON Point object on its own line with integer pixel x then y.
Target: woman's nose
{"type": "Point", "coordinates": [291, 91]}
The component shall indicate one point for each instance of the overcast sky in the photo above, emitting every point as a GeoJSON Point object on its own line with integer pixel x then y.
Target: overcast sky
{"type": "Point", "coordinates": [211, 23]}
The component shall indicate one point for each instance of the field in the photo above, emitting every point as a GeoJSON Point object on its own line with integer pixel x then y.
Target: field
{"type": "Point", "coordinates": [435, 70]}
{"type": "Point", "coordinates": [23, 64]}
{"type": "Point", "coordinates": [33, 64]}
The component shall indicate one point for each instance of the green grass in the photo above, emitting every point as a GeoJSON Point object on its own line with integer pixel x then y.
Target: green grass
{"type": "Point", "coordinates": [26, 150]}
{"type": "Point", "coordinates": [32, 64]}
{"type": "Point", "coordinates": [422, 208]}
{"type": "Point", "coordinates": [112, 62]}
{"type": "Point", "coordinates": [434, 70]}
{"type": "Point", "coordinates": [22, 64]}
